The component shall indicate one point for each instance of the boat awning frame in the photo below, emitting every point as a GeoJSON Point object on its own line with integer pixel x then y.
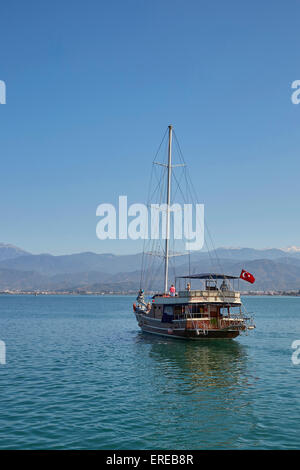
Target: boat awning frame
{"type": "Point", "coordinates": [212, 276]}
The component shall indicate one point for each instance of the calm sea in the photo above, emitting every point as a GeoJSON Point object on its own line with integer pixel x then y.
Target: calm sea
{"type": "Point", "coordinates": [80, 375]}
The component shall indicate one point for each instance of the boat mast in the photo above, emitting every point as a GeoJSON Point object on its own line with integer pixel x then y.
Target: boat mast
{"type": "Point", "coordinates": [168, 210]}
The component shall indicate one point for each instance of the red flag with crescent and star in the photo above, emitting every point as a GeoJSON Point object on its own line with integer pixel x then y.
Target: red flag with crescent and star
{"type": "Point", "coordinates": [247, 276]}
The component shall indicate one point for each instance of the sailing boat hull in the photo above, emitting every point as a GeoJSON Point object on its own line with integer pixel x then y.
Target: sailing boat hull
{"type": "Point", "coordinates": [181, 331]}
{"type": "Point", "coordinates": [195, 336]}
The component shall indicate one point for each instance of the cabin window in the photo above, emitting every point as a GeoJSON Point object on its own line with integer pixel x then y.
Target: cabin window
{"type": "Point", "coordinates": [196, 310]}
{"type": "Point", "coordinates": [214, 311]}
{"type": "Point", "coordinates": [168, 314]}
{"type": "Point", "coordinates": [168, 310]}
{"type": "Point", "coordinates": [177, 310]}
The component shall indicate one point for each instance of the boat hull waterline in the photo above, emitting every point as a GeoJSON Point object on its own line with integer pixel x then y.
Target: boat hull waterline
{"type": "Point", "coordinates": [182, 332]}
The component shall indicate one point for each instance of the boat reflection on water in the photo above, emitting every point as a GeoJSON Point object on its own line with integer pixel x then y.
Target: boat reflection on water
{"type": "Point", "coordinates": [212, 363]}
{"type": "Point", "coordinates": [204, 389]}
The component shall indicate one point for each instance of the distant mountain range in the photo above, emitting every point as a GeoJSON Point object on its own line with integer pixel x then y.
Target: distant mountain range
{"type": "Point", "coordinates": [10, 251]}
{"type": "Point", "coordinates": [274, 269]}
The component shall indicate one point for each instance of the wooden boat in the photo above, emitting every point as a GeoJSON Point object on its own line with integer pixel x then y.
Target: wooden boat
{"type": "Point", "coordinates": [214, 310]}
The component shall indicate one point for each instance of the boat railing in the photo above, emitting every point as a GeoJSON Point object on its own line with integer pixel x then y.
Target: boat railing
{"type": "Point", "coordinates": [216, 324]}
{"type": "Point", "coordinates": [229, 321]}
{"type": "Point", "coordinates": [189, 316]}
{"type": "Point", "coordinates": [209, 293]}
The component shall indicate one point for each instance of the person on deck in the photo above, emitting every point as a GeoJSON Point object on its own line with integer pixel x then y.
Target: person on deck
{"type": "Point", "coordinates": [140, 298]}
{"type": "Point", "coordinates": [172, 290]}
{"type": "Point", "coordinates": [224, 286]}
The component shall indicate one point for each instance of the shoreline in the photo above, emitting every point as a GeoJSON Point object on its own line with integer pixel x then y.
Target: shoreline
{"type": "Point", "coordinates": [133, 293]}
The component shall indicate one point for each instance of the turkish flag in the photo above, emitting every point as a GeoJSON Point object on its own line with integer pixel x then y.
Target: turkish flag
{"type": "Point", "coordinates": [247, 276]}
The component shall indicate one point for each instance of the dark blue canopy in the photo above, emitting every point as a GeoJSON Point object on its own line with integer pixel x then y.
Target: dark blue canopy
{"type": "Point", "coordinates": [208, 276]}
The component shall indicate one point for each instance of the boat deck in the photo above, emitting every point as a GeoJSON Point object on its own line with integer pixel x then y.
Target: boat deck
{"type": "Point", "coordinates": [196, 296]}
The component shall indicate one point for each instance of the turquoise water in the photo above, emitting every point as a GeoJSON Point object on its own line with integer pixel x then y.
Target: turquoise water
{"type": "Point", "coordinates": [80, 375]}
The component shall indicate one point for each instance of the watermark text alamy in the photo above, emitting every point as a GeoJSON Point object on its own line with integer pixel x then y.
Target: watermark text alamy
{"type": "Point", "coordinates": [138, 222]}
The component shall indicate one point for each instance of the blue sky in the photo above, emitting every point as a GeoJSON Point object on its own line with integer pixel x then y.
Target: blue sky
{"type": "Point", "coordinates": [91, 88]}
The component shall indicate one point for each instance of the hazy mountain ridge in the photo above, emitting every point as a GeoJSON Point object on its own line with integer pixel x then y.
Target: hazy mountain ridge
{"type": "Point", "coordinates": [49, 264]}
{"type": "Point", "coordinates": [8, 251]}
{"type": "Point", "coordinates": [274, 269]}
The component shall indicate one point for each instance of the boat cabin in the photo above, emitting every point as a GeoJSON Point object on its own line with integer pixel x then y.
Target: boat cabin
{"type": "Point", "coordinates": [211, 300]}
